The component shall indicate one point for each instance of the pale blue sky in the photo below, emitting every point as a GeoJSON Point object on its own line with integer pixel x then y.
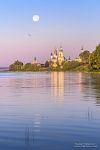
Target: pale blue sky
{"type": "Point", "coordinates": [70, 23]}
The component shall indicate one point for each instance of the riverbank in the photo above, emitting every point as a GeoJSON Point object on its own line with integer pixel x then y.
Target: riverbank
{"type": "Point", "coordinates": [82, 71]}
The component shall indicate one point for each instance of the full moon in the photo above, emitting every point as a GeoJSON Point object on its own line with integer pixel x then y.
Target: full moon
{"type": "Point", "coordinates": [36, 18]}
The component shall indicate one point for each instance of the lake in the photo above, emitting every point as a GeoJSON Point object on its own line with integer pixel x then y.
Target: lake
{"type": "Point", "coordinates": [49, 111]}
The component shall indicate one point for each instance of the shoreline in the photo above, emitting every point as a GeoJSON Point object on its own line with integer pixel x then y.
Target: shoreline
{"type": "Point", "coordinates": [73, 71]}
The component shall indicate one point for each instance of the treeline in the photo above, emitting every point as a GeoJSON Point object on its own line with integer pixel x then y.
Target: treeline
{"type": "Point", "coordinates": [94, 59]}
{"type": "Point", "coordinates": [89, 62]}
{"type": "Point", "coordinates": [20, 66]}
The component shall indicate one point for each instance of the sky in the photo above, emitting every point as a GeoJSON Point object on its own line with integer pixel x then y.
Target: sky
{"type": "Point", "coordinates": [67, 23]}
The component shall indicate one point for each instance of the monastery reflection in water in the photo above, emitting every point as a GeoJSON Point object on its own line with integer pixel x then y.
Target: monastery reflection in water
{"type": "Point", "coordinates": [57, 84]}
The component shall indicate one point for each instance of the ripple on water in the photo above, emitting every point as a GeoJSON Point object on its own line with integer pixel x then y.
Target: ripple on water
{"type": "Point", "coordinates": [48, 111]}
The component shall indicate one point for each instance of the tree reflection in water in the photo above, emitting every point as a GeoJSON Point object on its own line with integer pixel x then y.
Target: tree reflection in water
{"type": "Point", "coordinates": [89, 85]}
{"type": "Point", "coordinates": [95, 84]}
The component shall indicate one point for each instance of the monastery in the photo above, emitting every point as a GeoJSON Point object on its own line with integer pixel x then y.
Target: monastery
{"type": "Point", "coordinates": [57, 58]}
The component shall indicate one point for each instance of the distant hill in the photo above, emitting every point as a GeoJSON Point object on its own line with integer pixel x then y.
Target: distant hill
{"type": "Point", "coordinates": [4, 68]}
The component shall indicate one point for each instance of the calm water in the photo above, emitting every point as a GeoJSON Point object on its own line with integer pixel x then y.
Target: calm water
{"type": "Point", "coordinates": [49, 111]}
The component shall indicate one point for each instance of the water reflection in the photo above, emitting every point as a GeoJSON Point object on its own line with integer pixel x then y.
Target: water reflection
{"type": "Point", "coordinates": [30, 118]}
{"type": "Point", "coordinates": [29, 138]}
{"type": "Point", "coordinates": [32, 130]}
{"type": "Point", "coordinates": [89, 85]}
{"type": "Point", "coordinates": [80, 80]}
{"type": "Point", "coordinates": [57, 84]}
{"type": "Point", "coordinates": [84, 85]}
{"type": "Point", "coordinates": [95, 84]}
{"type": "Point", "coordinates": [90, 114]}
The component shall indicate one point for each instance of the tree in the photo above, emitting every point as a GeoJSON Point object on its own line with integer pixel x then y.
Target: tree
{"type": "Point", "coordinates": [46, 64]}
{"type": "Point", "coordinates": [16, 66]}
{"type": "Point", "coordinates": [85, 56]}
{"type": "Point", "coordinates": [95, 58]}
{"type": "Point", "coordinates": [17, 62]}
{"type": "Point", "coordinates": [27, 67]}
{"type": "Point", "coordinates": [70, 65]}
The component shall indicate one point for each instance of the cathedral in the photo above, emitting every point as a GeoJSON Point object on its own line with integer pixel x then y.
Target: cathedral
{"type": "Point", "coordinates": [57, 58]}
